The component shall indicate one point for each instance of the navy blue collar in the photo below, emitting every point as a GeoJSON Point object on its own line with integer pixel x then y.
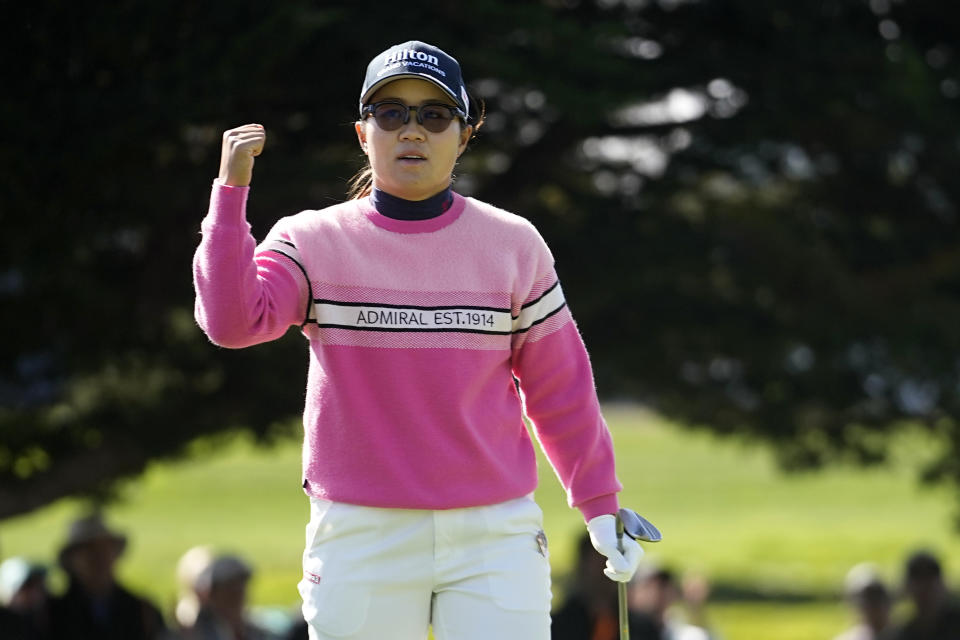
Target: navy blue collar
{"type": "Point", "coordinates": [400, 209]}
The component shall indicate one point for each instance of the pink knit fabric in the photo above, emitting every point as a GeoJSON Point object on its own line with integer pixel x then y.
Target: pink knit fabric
{"type": "Point", "coordinates": [416, 331]}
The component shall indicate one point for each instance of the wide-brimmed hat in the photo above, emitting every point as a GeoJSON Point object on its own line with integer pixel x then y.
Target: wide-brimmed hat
{"type": "Point", "coordinates": [89, 529]}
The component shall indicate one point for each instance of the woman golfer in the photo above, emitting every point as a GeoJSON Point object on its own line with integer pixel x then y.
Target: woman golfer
{"type": "Point", "coordinates": [425, 311]}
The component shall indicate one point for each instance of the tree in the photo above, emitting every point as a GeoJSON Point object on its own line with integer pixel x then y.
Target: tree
{"type": "Point", "coordinates": [751, 204]}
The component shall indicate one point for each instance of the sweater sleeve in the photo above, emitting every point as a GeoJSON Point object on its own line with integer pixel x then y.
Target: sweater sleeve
{"type": "Point", "coordinates": [556, 380]}
{"type": "Point", "coordinates": [245, 295]}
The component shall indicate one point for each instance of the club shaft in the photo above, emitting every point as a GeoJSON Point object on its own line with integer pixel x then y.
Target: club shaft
{"type": "Point", "coordinates": [622, 590]}
{"type": "Point", "coordinates": [622, 605]}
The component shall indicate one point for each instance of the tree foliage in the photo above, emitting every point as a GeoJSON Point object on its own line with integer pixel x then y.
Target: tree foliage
{"type": "Point", "coordinates": [753, 206]}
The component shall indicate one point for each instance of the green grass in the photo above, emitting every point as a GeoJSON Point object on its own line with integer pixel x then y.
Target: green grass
{"type": "Point", "coordinates": [723, 507]}
{"type": "Point", "coordinates": [726, 510]}
{"type": "Point", "coordinates": [776, 621]}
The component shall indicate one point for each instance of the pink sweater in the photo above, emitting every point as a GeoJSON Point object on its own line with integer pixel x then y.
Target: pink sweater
{"type": "Point", "coordinates": [416, 332]}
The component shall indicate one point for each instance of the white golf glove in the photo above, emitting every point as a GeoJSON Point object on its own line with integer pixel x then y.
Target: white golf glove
{"type": "Point", "coordinates": [603, 536]}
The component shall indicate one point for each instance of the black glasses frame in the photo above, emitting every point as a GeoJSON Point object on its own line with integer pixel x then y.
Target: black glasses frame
{"type": "Point", "coordinates": [456, 112]}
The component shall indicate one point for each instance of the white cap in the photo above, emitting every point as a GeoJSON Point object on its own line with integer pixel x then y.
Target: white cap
{"type": "Point", "coordinates": [14, 573]}
{"type": "Point", "coordinates": [860, 578]}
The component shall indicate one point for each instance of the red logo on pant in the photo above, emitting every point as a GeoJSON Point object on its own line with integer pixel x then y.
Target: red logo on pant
{"type": "Point", "coordinates": [312, 577]}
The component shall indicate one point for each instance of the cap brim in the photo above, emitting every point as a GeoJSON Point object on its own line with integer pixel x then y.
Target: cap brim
{"type": "Point", "coordinates": [365, 98]}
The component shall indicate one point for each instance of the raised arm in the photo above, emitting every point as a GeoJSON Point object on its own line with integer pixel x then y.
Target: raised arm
{"type": "Point", "coordinates": [243, 297]}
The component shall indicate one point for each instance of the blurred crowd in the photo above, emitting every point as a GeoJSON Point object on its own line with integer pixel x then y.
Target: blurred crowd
{"type": "Point", "coordinates": [212, 600]}
{"type": "Point", "coordinates": [934, 610]}
{"type": "Point", "coordinates": [591, 611]}
{"type": "Point", "coordinates": [665, 606]}
{"type": "Point", "coordinates": [212, 603]}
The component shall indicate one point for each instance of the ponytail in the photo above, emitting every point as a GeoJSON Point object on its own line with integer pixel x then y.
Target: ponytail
{"type": "Point", "coordinates": [361, 184]}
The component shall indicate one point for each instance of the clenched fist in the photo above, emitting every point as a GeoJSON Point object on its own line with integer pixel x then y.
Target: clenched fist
{"type": "Point", "coordinates": [240, 147]}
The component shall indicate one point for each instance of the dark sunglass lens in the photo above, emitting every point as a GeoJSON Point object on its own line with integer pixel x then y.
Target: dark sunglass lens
{"type": "Point", "coordinates": [390, 117]}
{"type": "Point", "coordinates": [435, 117]}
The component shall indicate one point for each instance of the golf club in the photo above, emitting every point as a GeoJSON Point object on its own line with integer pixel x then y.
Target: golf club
{"type": "Point", "coordinates": [638, 528]}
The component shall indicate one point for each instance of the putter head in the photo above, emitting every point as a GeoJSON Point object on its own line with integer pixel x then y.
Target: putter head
{"type": "Point", "coordinates": [638, 527]}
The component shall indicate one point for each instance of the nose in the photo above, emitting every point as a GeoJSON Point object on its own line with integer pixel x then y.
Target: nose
{"type": "Point", "coordinates": [411, 129]}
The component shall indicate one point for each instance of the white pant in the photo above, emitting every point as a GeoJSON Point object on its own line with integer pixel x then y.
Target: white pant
{"type": "Point", "coordinates": [387, 574]}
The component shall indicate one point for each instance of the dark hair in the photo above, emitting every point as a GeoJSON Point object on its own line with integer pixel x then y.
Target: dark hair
{"type": "Point", "coordinates": [361, 184]}
{"type": "Point", "coordinates": [873, 593]}
{"type": "Point", "coordinates": [923, 565]}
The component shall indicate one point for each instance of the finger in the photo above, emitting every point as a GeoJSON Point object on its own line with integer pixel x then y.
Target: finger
{"type": "Point", "coordinates": [248, 138]}
{"type": "Point", "coordinates": [616, 576]}
{"type": "Point", "coordinates": [248, 134]}
{"type": "Point", "coordinates": [633, 553]}
{"type": "Point", "coordinates": [246, 129]}
{"type": "Point", "coordinates": [618, 563]}
{"type": "Point", "coordinates": [247, 143]}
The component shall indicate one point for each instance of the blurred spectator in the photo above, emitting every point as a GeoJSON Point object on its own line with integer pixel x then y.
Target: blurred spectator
{"type": "Point", "coordinates": [590, 610]}
{"type": "Point", "coordinates": [95, 606]}
{"type": "Point", "coordinates": [12, 626]}
{"type": "Point", "coordinates": [695, 592]}
{"type": "Point", "coordinates": [24, 597]}
{"type": "Point", "coordinates": [936, 613]}
{"type": "Point", "coordinates": [869, 596]}
{"type": "Point", "coordinates": [221, 589]}
{"type": "Point", "coordinates": [191, 564]}
{"type": "Point", "coordinates": [653, 594]}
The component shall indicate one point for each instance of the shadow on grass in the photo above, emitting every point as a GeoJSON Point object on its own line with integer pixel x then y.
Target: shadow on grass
{"type": "Point", "coordinates": [732, 592]}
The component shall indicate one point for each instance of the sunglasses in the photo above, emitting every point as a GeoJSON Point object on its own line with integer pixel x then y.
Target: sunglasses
{"type": "Point", "coordinates": [393, 114]}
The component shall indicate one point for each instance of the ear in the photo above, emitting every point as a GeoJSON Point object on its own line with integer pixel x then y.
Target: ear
{"type": "Point", "coordinates": [361, 134]}
{"type": "Point", "coordinates": [465, 135]}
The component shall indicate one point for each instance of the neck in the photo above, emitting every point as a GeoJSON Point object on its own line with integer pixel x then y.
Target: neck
{"type": "Point", "coordinates": [400, 209]}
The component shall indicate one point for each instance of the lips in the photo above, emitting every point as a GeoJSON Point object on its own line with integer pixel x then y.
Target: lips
{"type": "Point", "coordinates": [411, 156]}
